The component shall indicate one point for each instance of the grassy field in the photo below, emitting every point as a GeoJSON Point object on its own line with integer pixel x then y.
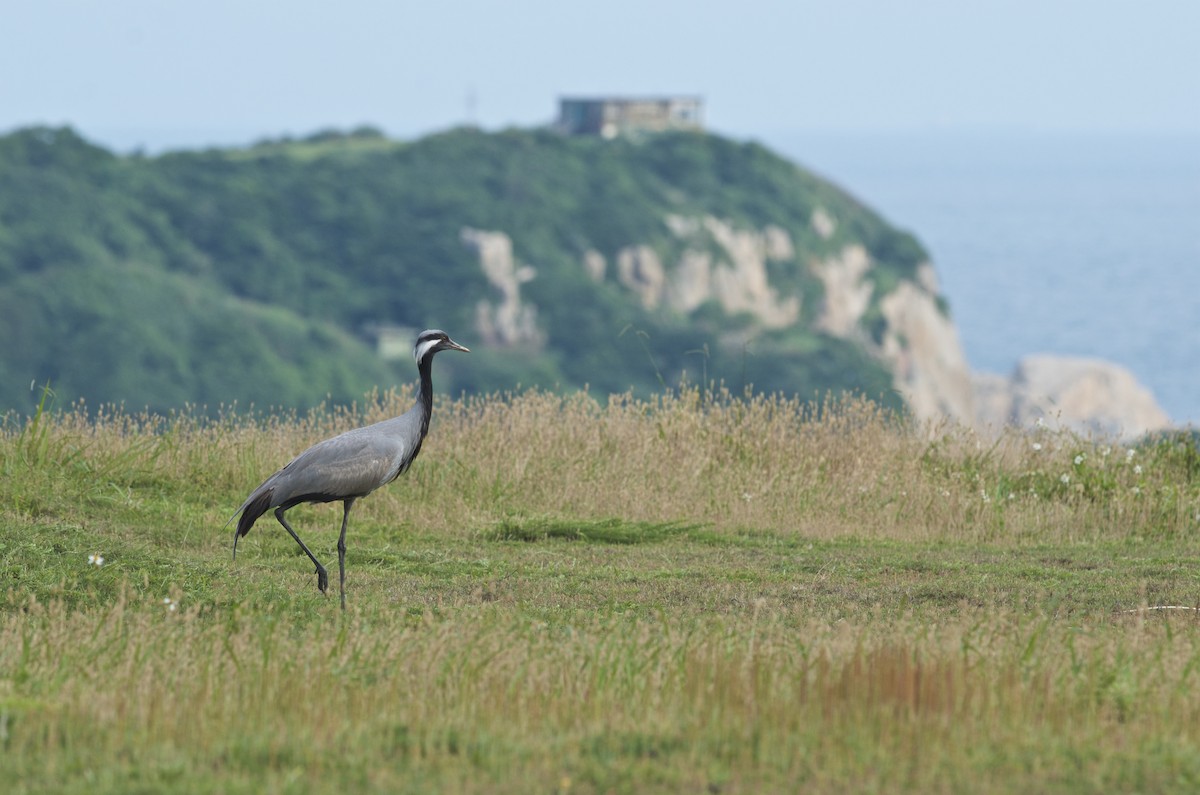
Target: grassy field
{"type": "Point", "coordinates": [692, 594]}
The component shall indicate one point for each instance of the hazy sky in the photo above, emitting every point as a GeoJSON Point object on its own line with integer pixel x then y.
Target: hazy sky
{"type": "Point", "coordinates": [172, 73]}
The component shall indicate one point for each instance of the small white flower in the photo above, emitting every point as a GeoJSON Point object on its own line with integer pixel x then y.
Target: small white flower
{"type": "Point", "coordinates": [747, 496]}
{"type": "Point", "coordinates": [170, 603]}
{"type": "Point", "coordinates": [1129, 454]}
{"type": "Point", "coordinates": [1037, 446]}
{"type": "Point", "coordinates": [1104, 453]}
{"type": "Point", "coordinates": [96, 560]}
{"type": "Point", "coordinates": [1137, 469]}
{"type": "Point", "coordinates": [1041, 423]}
{"type": "Point", "coordinates": [1065, 478]}
{"type": "Point", "coordinates": [1078, 459]}
{"type": "Point", "coordinates": [1137, 489]}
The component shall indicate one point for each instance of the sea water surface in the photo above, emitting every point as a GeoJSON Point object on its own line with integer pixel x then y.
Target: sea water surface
{"type": "Point", "coordinates": [1083, 245]}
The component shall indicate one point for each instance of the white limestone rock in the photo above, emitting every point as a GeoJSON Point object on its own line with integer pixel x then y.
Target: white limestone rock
{"type": "Point", "coordinates": [507, 321]}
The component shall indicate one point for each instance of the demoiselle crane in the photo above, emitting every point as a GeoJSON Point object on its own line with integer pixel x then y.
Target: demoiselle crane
{"type": "Point", "coordinates": [350, 465]}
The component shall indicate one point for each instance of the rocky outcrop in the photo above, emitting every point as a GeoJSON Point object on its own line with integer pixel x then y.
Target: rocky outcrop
{"type": "Point", "coordinates": [507, 321]}
{"type": "Point", "coordinates": [740, 283]}
{"type": "Point", "coordinates": [735, 275]}
{"type": "Point", "coordinates": [640, 269]}
{"type": "Point", "coordinates": [595, 265]}
{"type": "Point", "coordinates": [907, 328]}
{"type": "Point", "coordinates": [728, 265]}
{"type": "Point", "coordinates": [847, 294]}
{"type": "Point", "coordinates": [822, 223]}
{"type": "Point", "coordinates": [918, 340]}
{"type": "Point", "coordinates": [921, 343]}
{"type": "Point", "coordinates": [1084, 395]}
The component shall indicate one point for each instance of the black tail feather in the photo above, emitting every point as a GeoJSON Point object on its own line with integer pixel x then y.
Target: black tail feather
{"type": "Point", "coordinates": [254, 508]}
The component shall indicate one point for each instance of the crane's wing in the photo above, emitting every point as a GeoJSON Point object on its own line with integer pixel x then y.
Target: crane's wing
{"type": "Point", "coordinates": [350, 465]}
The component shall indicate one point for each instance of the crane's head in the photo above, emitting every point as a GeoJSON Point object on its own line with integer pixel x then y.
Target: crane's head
{"type": "Point", "coordinates": [433, 340]}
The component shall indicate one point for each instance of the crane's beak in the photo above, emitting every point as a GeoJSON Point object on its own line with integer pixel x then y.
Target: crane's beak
{"type": "Point", "coordinates": [451, 345]}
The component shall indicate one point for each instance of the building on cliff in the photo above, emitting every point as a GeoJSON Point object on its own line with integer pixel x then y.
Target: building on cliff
{"type": "Point", "coordinates": [612, 116]}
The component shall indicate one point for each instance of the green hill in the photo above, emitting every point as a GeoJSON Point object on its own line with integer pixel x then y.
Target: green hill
{"type": "Point", "coordinates": [263, 274]}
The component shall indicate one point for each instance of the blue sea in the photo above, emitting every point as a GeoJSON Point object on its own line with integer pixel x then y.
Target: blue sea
{"type": "Point", "coordinates": [1046, 243]}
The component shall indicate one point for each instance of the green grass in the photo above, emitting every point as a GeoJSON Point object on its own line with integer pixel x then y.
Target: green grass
{"type": "Point", "coordinates": [688, 594]}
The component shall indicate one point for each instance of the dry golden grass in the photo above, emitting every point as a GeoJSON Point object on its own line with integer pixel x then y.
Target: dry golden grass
{"type": "Point", "coordinates": [843, 469]}
{"type": "Point", "coordinates": [846, 468]}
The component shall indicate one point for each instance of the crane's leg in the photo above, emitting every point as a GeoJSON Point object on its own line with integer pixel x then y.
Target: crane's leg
{"type": "Point", "coordinates": [322, 575]}
{"type": "Point", "coordinates": [347, 505]}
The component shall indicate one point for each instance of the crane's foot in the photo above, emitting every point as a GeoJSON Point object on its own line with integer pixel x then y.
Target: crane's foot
{"type": "Point", "coordinates": [322, 579]}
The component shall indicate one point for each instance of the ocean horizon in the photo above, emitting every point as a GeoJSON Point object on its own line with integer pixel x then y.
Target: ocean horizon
{"type": "Point", "coordinates": [1070, 244]}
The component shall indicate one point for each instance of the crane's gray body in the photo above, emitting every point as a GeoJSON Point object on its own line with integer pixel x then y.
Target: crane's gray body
{"type": "Point", "coordinates": [350, 465]}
